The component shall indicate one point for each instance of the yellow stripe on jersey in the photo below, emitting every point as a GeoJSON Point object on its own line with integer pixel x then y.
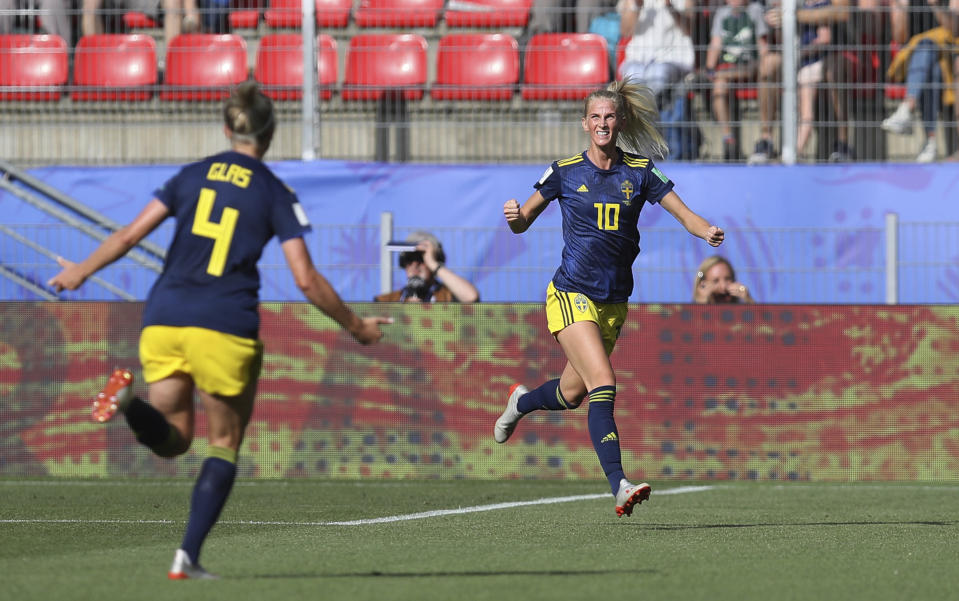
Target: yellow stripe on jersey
{"type": "Point", "coordinates": [635, 161]}
{"type": "Point", "coordinates": [570, 161]}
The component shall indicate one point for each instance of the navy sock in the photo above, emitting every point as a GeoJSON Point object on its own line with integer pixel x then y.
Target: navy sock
{"type": "Point", "coordinates": [602, 431]}
{"type": "Point", "coordinates": [547, 397]}
{"type": "Point", "coordinates": [148, 425]}
{"type": "Point", "coordinates": [212, 487]}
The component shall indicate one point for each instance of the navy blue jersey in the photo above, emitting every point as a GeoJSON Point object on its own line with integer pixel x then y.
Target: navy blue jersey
{"type": "Point", "coordinates": [600, 215]}
{"type": "Point", "coordinates": [227, 207]}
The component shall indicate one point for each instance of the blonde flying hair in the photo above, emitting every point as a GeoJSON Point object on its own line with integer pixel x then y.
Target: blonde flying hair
{"type": "Point", "coordinates": [248, 113]}
{"type": "Point", "coordinates": [636, 104]}
{"type": "Point", "coordinates": [707, 264]}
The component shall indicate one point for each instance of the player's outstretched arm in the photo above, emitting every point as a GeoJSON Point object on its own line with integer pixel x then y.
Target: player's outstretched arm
{"type": "Point", "coordinates": [112, 248]}
{"type": "Point", "coordinates": [693, 223]}
{"type": "Point", "coordinates": [519, 218]}
{"type": "Point", "coordinates": [317, 289]}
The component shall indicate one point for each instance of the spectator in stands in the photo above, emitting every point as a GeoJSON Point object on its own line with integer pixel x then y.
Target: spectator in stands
{"type": "Point", "coordinates": [837, 72]}
{"type": "Point", "coordinates": [600, 192]}
{"type": "Point", "coordinates": [53, 17]}
{"type": "Point", "coordinates": [428, 279]}
{"type": "Point", "coordinates": [177, 15]}
{"type": "Point", "coordinates": [954, 29]}
{"type": "Point", "coordinates": [716, 283]}
{"type": "Point", "coordinates": [737, 46]}
{"type": "Point", "coordinates": [924, 26]}
{"type": "Point", "coordinates": [660, 51]}
{"type": "Point", "coordinates": [206, 298]}
{"type": "Point", "coordinates": [97, 18]}
{"type": "Point", "coordinates": [558, 16]}
{"type": "Point", "coordinates": [216, 15]}
{"type": "Point", "coordinates": [814, 39]}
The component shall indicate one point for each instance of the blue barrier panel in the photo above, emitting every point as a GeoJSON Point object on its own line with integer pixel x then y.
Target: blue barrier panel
{"type": "Point", "coordinates": [848, 201]}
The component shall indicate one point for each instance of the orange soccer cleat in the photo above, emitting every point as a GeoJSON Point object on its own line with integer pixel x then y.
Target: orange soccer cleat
{"type": "Point", "coordinates": [114, 396]}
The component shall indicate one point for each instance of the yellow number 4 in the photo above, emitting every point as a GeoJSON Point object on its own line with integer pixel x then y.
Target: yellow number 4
{"type": "Point", "coordinates": [221, 233]}
{"type": "Point", "coordinates": [607, 216]}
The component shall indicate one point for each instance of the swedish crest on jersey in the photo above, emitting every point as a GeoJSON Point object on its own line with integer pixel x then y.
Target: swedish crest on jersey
{"type": "Point", "coordinates": [627, 189]}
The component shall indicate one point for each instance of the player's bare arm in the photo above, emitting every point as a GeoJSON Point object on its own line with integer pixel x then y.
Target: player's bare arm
{"type": "Point", "coordinates": [693, 223]}
{"type": "Point", "coordinates": [317, 290]}
{"type": "Point", "coordinates": [112, 248]}
{"type": "Point", "coordinates": [519, 218]}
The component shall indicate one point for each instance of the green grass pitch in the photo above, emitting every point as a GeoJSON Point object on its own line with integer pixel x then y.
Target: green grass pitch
{"type": "Point", "coordinates": [484, 540]}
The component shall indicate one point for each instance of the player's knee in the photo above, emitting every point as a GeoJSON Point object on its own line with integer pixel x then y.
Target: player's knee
{"type": "Point", "coordinates": [573, 403]}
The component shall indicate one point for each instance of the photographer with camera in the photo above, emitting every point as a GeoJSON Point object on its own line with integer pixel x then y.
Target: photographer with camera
{"type": "Point", "coordinates": [428, 278]}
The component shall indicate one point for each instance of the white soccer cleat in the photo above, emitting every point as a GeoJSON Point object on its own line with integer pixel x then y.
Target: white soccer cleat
{"type": "Point", "coordinates": [507, 421]}
{"type": "Point", "coordinates": [183, 569]}
{"type": "Point", "coordinates": [630, 495]}
{"type": "Point", "coordinates": [900, 122]}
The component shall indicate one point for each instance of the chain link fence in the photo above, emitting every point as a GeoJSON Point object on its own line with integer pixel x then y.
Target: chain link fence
{"type": "Point", "coordinates": [457, 82]}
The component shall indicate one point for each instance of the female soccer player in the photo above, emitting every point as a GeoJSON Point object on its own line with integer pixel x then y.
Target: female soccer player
{"type": "Point", "coordinates": [200, 320]}
{"type": "Point", "coordinates": [600, 192]}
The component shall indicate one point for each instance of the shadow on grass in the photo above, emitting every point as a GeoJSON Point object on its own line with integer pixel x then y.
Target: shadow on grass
{"type": "Point", "coordinates": [469, 574]}
{"type": "Point", "coordinates": [648, 526]}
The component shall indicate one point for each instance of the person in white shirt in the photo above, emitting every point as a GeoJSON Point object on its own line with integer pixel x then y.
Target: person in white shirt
{"type": "Point", "coordinates": [660, 51]}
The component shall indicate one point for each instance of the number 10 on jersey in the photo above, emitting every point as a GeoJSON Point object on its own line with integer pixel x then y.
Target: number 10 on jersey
{"type": "Point", "coordinates": [607, 216]}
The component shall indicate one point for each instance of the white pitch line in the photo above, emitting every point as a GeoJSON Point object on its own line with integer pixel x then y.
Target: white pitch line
{"type": "Point", "coordinates": [495, 506]}
{"type": "Point", "coordinates": [67, 521]}
{"type": "Point", "coordinates": [383, 520]}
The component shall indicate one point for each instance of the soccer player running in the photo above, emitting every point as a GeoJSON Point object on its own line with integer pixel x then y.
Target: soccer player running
{"type": "Point", "coordinates": [201, 320]}
{"type": "Point", "coordinates": [600, 193]}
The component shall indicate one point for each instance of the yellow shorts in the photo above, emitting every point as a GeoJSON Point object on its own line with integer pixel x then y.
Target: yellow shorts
{"type": "Point", "coordinates": [566, 308]}
{"type": "Point", "coordinates": [220, 364]}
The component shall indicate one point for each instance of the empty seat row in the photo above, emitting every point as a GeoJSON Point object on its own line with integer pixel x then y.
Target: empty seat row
{"type": "Point", "coordinates": [375, 13]}
{"type": "Point", "coordinates": [199, 67]}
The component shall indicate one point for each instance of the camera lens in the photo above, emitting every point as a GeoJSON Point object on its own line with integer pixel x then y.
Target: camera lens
{"type": "Point", "coordinates": [411, 257]}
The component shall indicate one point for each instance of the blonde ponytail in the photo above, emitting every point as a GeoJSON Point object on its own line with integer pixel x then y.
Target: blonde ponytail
{"type": "Point", "coordinates": [636, 103]}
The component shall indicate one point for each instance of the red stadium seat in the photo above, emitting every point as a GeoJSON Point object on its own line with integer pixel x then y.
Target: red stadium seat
{"type": "Point", "coordinates": [398, 13]}
{"type": "Point", "coordinates": [289, 13]}
{"type": "Point", "coordinates": [747, 93]}
{"type": "Point", "coordinates": [244, 18]}
{"type": "Point", "coordinates": [564, 66]}
{"type": "Point", "coordinates": [381, 64]}
{"type": "Point", "coordinates": [279, 65]}
{"type": "Point", "coordinates": [895, 91]}
{"type": "Point", "coordinates": [137, 20]}
{"type": "Point", "coordinates": [36, 65]}
{"type": "Point", "coordinates": [333, 13]}
{"type": "Point", "coordinates": [284, 13]}
{"type": "Point", "coordinates": [203, 66]}
{"type": "Point", "coordinates": [114, 67]}
{"type": "Point", "coordinates": [487, 13]}
{"type": "Point", "coordinates": [480, 66]}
